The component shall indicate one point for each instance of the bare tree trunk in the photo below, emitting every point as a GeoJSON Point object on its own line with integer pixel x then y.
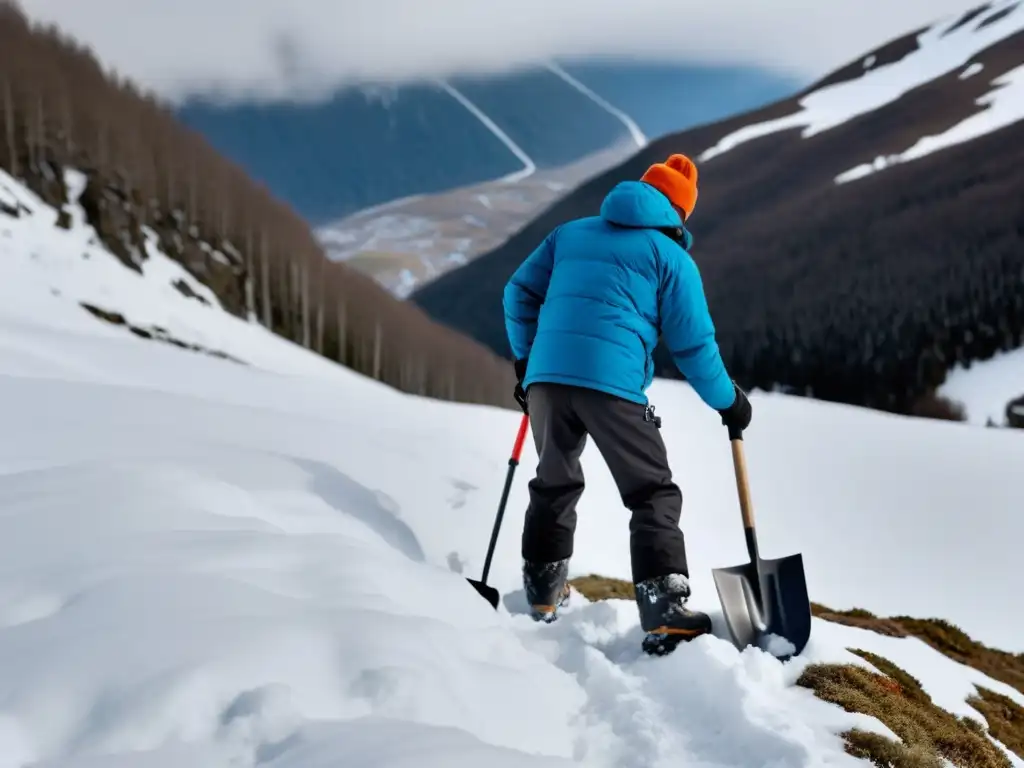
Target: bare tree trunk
{"type": "Point", "coordinates": [69, 128]}
{"type": "Point", "coordinates": [320, 326]}
{"type": "Point", "coordinates": [172, 203]}
{"type": "Point", "coordinates": [193, 192]}
{"type": "Point", "coordinates": [30, 139]}
{"type": "Point", "coordinates": [225, 218]}
{"type": "Point", "coordinates": [321, 300]}
{"type": "Point", "coordinates": [377, 334]}
{"type": "Point", "coordinates": [41, 144]}
{"type": "Point", "coordinates": [294, 308]}
{"type": "Point", "coordinates": [250, 287]}
{"type": "Point", "coordinates": [421, 377]}
{"type": "Point", "coordinates": [307, 336]}
{"type": "Point", "coordinates": [268, 316]}
{"type": "Point", "coordinates": [342, 328]}
{"type": "Point", "coordinates": [101, 142]}
{"type": "Point", "coordinates": [12, 149]}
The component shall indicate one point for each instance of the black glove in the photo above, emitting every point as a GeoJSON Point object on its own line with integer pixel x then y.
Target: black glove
{"type": "Point", "coordinates": [737, 416]}
{"type": "Point", "coordinates": [520, 393]}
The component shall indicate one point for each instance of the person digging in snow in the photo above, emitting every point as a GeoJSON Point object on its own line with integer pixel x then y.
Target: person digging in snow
{"type": "Point", "coordinates": [583, 315]}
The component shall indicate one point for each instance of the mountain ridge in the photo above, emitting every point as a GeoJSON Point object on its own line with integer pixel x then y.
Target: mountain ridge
{"type": "Point", "coordinates": [801, 271]}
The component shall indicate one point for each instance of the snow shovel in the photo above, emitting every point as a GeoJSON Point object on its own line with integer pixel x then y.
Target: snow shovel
{"type": "Point", "coordinates": [763, 598]}
{"type": "Point", "coordinates": [488, 593]}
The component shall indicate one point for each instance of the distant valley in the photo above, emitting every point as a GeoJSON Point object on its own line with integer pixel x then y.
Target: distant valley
{"type": "Point", "coordinates": [365, 166]}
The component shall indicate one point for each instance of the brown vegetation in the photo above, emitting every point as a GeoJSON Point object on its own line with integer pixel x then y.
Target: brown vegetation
{"type": "Point", "coordinates": [895, 698]}
{"type": "Point", "coordinates": [59, 110]}
{"type": "Point", "coordinates": [944, 637]}
{"type": "Point", "coordinates": [1005, 718]}
{"type": "Point", "coordinates": [934, 406]}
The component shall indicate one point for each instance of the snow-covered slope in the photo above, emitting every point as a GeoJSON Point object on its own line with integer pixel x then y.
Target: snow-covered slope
{"type": "Point", "coordinates": [985, 388]}
{"type": "Point", "coordinates": [50, 272]}
{"type": "Point", "coordinates": [943, 48]}
{"type": "Point", "coordinates": [211, 564]}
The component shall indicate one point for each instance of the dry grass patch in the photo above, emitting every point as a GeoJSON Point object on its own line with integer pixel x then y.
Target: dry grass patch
{"type": "Point", "coordinates": [1005, 718]}
{"type": "Point", "coordinates": [894, 697]}
{"type": "Point", "coordinates": [946, 638]}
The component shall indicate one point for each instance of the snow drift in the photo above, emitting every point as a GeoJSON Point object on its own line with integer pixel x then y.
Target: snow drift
{"type": "Point", "coordinates": [211, 563]}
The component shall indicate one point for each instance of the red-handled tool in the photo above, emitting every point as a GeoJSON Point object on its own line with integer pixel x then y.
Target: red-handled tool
{"type": "Point", "coordinates": [490, 594]}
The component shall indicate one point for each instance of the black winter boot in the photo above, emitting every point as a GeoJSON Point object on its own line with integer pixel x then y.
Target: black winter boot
{"type": "Point", "coordinates": [664, 615]}
{"type": "Point", "coordinates": [547, 588]}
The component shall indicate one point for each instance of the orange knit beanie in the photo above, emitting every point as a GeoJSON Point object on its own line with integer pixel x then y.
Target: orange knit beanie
{"type": "Point", "coordinates": [676, 178]}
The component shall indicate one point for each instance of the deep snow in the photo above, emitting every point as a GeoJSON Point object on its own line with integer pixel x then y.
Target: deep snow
{"type": "Point", "coordinates": [213, 564]}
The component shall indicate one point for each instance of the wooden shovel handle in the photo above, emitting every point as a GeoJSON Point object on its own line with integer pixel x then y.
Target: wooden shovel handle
{"type": "Point", "coordinates": [739, 461]}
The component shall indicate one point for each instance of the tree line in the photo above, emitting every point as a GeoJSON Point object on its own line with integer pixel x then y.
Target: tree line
{"type": "Point", "coordinates": [866, 293]}
{"type": "Point", "coordinates": [877, 341]}
{"type": "Point", "coordinates": [60, 110]}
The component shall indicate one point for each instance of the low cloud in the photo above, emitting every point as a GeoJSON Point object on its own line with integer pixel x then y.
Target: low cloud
{"type": "Point", "coordinates": [305, 48]}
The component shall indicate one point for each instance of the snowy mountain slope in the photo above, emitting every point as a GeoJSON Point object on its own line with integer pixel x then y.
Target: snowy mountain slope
{"type": "Point", "coordinates": [207, 563]}
{"type": "Point", "coordinates": [943, 48]}
{"type": "Point", "coordinates": [853, 286]}
{"type": "Point", "coordinates": [53, 271]}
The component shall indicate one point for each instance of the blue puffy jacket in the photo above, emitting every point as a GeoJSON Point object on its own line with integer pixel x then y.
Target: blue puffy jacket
{"type": "Point", "coordinates": [587, 306]}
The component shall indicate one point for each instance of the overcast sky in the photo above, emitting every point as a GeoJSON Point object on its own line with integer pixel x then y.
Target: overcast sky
{"type": "Point", "coordinates": [280, 47]}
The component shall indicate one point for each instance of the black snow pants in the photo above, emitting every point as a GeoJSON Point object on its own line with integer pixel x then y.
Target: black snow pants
{"type": "Point", "coordinates": [632, 447]}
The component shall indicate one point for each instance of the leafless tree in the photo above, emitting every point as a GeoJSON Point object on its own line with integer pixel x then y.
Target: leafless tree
{"type": "Point", "coordinates": [59, 109]}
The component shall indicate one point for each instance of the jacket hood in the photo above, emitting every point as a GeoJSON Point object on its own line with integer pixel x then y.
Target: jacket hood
{"type": "Point", "coordinates": [637, 204]}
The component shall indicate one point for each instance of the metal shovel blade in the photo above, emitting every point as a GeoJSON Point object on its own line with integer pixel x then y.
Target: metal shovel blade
{"type": "Point", "coordinates": [764, 598]}
{"type": "Point", "coordinates": [488, 593]}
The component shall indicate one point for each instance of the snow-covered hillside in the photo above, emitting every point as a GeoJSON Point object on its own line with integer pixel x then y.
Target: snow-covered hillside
{"type": "Point", "coordinates": [985, 388]}
{"type": "Point", "coordinates": [215, 564]}
{"type": "Point", "coordinates": [950, 45]}
{"type": "Point", "coordinates": [50, 272]}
